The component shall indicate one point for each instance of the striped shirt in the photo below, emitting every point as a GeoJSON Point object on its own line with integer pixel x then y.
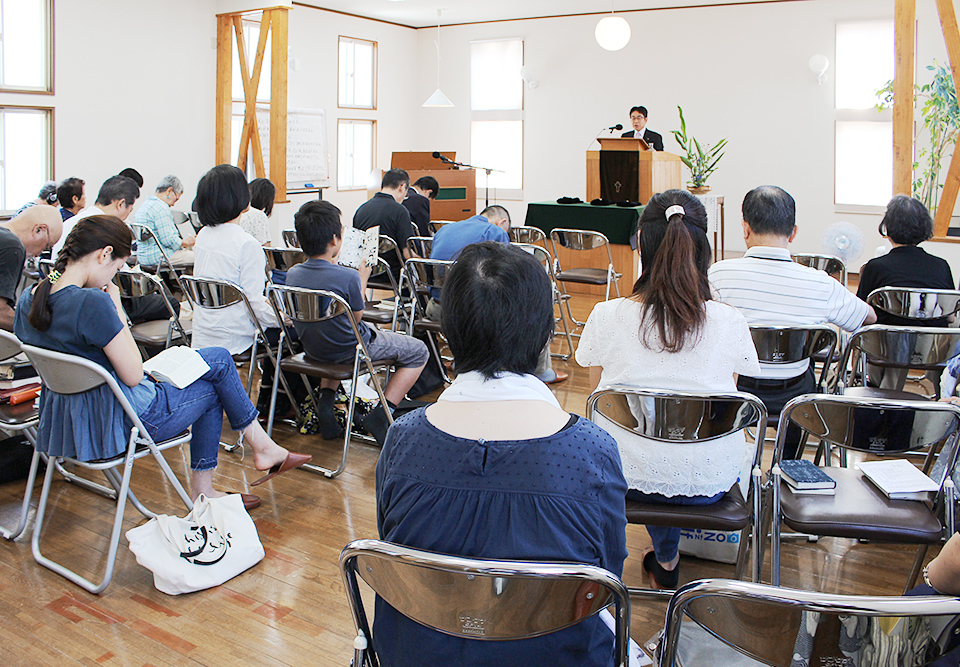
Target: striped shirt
{"type": "Point", "coordinates": [769, 288]}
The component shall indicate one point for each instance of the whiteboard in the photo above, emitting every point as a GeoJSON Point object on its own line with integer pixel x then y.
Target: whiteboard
{"type": "Point", "coordinates": [307, 163]}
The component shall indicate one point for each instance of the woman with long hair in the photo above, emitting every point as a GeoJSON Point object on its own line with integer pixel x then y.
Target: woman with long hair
{"type": "Point", "coordinates": [76, 310]}
{"type": "Point", "coordinates": [670, 334]}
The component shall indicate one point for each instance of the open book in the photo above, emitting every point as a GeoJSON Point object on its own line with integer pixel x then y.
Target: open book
{"type": "Point", "coordinates": [178, 365]}
{"type": "Point", "coordinates": [358, 246]}
{"type": "Point", "coordinates": [899, 479]}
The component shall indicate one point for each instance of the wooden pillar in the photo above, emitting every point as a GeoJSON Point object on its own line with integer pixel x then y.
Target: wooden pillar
{"type": "Point", "coordinates": [279, 20]}
{"type": "Point", "coordinates": [951, 185]}
{"type": "Point", "coordinates": [224, 89]}
{"type": "Point", "coordinates": [905, 25]}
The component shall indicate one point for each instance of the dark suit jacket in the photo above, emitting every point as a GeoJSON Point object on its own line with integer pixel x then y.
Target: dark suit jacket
{"type": "Point", "coordinates": [419, 208]}
{"type": "Point", "coordinates": [651, 138]}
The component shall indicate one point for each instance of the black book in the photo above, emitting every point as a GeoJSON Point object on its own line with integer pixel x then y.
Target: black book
{"type": "Point", "coordinates": [802, 474]}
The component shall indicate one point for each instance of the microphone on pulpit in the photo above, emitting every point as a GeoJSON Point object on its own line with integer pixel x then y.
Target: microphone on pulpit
{"type": "Point", "coordinates": [436, 154]}
{"type": "Point", "coordinates": [618, 126]}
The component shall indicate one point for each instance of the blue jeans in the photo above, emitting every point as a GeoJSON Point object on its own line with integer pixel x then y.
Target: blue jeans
{"type": "Point", "coordinates": [201, 405]}
{"type": "Point", "coordinates": [666, 540]}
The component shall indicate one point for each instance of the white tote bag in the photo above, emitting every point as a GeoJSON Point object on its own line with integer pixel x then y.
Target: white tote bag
{"type": "Point", "coordinates": [215, 542]}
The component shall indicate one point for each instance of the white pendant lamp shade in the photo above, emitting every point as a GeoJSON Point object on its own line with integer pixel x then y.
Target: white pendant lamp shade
{"type": "Point", "coordinates": [438, 99]}
{"type": "Point", "coordinates": [612, 33]}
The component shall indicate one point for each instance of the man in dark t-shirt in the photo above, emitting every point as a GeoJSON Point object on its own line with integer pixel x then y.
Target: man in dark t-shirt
{"type": "Point", "coordinates": [27, 235]}
{"type": "Point", "coordinates": [384, 210]}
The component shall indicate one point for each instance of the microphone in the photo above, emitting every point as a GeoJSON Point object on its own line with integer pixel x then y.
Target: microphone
{"type": "Point", "coordinates": [442, 158]}
{"type": "Point", "coordinates": [437, 154]}
{"type": "Point", "coordinates": [618, 126]}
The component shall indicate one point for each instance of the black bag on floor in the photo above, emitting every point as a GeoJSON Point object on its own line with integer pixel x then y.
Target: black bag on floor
{"type": "Point", "coordinates": [430, 377]}
{"type": "Point", "coordinates": [15, 456]}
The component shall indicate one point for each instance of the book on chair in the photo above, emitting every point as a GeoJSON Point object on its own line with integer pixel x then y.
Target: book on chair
{"type": "Point", "coordinates": [899, 479]}
{"type": "Point", "coordinates": [802, 475]}
{"type": "Point", "coordinates": [180, 366]}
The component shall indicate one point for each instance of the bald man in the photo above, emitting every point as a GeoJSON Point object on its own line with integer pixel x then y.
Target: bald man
{"type": "Point", "coordinates": [27, 235]}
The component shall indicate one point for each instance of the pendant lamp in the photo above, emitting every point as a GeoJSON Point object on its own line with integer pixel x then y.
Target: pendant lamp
{"type": "Point", "coordinates": [438, 99]}
{"type": "Point", "coordinates": [612, 32]}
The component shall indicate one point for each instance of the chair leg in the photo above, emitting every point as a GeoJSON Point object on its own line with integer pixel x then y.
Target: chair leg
{"type": "Point", "coordinates": [99, 489]}
{"type": "Point", "coordinates": [775, 527]}
{"type": "Point", "coordinates": [25, 507]}
{"type": "Point", "coordinates": [327, 472]}
{"type": "Point", "coordinates": [566, 329]}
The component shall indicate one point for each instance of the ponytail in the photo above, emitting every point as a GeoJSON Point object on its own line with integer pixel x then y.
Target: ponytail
{"type": "Point", "coordinates": [673, 286]}
{"type": "Point", "coordinates": [87, 236]}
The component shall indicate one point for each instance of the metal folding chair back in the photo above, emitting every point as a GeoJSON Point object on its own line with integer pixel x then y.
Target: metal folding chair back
{"type": "Point", "coordinates": [858, 510]}
{"type": "Point", "coordinates": [722, 622]}
{"type": "Point", "coordinates": [789, 344]}
{"type": "Point", "coordinates": [21, 419]}
{"type": "Point", "coordinates": [925, 348]}
{"type": "Point", "coordinates": [829, 264]}
{"type": "Point", "coordinates": [69, 374]}
{"type": "Point", "coordinates": [688, 418]}
{"type": "Point", "coordinates": [290, 238]}
{"type": "Point", "coordinates": [531, 235]}
{"type": "Point", "coordinates": [143, 233]}
{"type": "Point", "coordinates": [435, 225]}
{"type": "Point", "coordinates": [486, 600]}
{"type": "Point", "coordinates": [420, 245]}
{"type": "Point", "coordinates": [310, 306]}
{"type": "Point", "coordinates": [425, 277]}
{"type": "Point", "coordinates": [583, 240]}
{"type": "Point", "coordinates": [282, 259]}
{"type": "Point", "coordinates": [135, 283]}
{"type": "Point", "coordinates": [915, 303]}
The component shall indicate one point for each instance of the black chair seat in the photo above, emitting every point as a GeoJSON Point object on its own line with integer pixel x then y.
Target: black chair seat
{"type": "Point", "coordinates": [299, 363]}
{"type": "Point", "coordinates": [377, 315]}
{"type": "Point", "coordinates": [860, 511]}
{"type": "Point", "coordinates": [586, 276]}
{"type": "Point", "coordinates": [427, 325]}
{"type": "Point", "coordinates": [18, 415]}
{"type": "Point", "coordinates": [728, 513]}
{"type": "Point", "coordinates": [886, 394]}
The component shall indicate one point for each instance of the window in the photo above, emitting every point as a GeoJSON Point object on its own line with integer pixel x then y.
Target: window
{"type": "Point", "coordinates": [251, 39]}
{"type": "Point", "coordinates": [864, 138]}
{"type": "Point", "coordinates": [25, 46]}
{"type": "Point", "coordinates": [496, 101]}
{"type": "Point", "coordinates": [354, 153]}
{"type": "Point", "coordinates": [358, 74]}
{"type": "Point", "coordinates": [25, 154]}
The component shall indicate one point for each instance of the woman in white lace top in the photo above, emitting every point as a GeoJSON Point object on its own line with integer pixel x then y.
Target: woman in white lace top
{"type": "Point", "coordinates": [670, 334]}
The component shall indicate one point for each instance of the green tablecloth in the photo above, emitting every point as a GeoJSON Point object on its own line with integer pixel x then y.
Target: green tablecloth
{"type": "Point", "coordinates": [617, 223]}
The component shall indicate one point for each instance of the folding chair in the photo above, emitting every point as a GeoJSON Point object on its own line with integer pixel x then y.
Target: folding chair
{"type": "Point", "coordinates": [281, 260]}
{"type": "Point", "coordinates": [542, 255]}
{"type": "Point", "coordinates": [426, 277]}
{"type": "Point", "coordinates": [859, 510]}
{"type": "Point", "coordinates": [380, 316]}
{"type": "Point", "coordinates": [688, 418]}
{"type": "Point", "coordinates": [829, 264]}
{"type": "Point", "coordinates": [308, 306]}
{"type": "Point", "coordinates": [134, 283]}
{"type": "Point", "coordinates": [435, 225]}
{"type": "Point", "coordinates": [143, 233]}
{"type": "Point", "coordinates": [290, 238]}
{"type": "Point", "coordinates": [582, 240]}
{"type": "Point", "coordinates": [67, 374]}
{"type": "Point", "coordinates": [920, 304]}
{"type": "Point", "coordinates": [903, 348]}
{"type": "Point", "coordinates": [420, 245]}
{"type": "Point", "coordinates": [23, 419]}
{"type": "Point", "coordinates": [454, 595]}
{"type": "Point", "coordinates": [531, 235]}
{"type": "Point", "coordinates": [389, 282]}
{"type": "Point", "coordinates": [216, 294]}
{"type": "Point", "coordinates": [739, 624]}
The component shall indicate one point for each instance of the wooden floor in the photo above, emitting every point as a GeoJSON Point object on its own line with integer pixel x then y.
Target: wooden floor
{"type": "Point", "coordinates": [290, 609]}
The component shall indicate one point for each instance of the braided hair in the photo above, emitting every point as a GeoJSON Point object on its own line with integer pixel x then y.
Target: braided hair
{"type": "Point", "coordinates": [87, 236]}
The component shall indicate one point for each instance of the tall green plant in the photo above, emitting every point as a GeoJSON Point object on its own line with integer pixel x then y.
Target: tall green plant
{"type": "Point", "coordinates": [941, 124]}
{"type": "Point", "coordinates": [700, 160]}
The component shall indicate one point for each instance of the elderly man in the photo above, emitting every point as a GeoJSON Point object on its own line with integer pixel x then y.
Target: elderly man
{"type": "Point", "coordinates": [769, 288]}
{"type": "Point", "coordinates": [493, 224]}
{"type": "Point", "coordinates": [117, 196]}
{"type": "Point", "coordinates": [156, 215]}
{"type": "Point", "coordinates": [384, 210]}
{"type": "Point", "coordinates": [72, 197]}
{"type": "Point", "coordinates": [27, 235]}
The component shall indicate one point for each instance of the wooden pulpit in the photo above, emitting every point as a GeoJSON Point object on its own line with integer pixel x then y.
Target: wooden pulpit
{"type": "Point", "coordinates": [457, 199]}
{"type": "Point", "coordinates": [623, 170]}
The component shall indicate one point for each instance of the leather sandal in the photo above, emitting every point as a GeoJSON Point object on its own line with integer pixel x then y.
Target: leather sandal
{"type": "Point", "coordinates": [292, 461]}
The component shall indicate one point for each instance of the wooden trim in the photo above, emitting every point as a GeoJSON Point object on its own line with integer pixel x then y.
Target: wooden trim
{"type": "Point", "coordinates": [251, 84]}
{"type": "Point", "coordinates": [905, 40]}
{"type": "Point", "coordinates": [224, 90]}
{"type": "Point", "coordinates": [945, 239]}
{"type": "Point", "coordinates": [356, 16]}
{"type": "Point", "coordinates": [252, 12]}
{"type": "Point", "coordinates": [279, 20]}
{"type": "Point", "coordinates": [951, 185]}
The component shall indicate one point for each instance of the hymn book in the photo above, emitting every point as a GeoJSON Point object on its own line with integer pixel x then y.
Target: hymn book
{"type": "Point", "coordinates": [898, 479]}
{"type": "Point", "coordinates": [359, 247]}
{"type": "Point", "coordinates": [180, 366]}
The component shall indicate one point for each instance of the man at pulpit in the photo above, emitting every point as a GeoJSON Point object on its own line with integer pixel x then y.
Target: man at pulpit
{"type": "Point", "coordinates": [638, 118]}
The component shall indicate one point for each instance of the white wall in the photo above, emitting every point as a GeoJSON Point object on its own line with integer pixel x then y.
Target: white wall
{"type": "Point", "coordinates": [739, 72]}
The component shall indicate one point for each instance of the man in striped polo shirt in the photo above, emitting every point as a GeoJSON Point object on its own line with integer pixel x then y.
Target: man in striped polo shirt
{"type": "Point", "coordinates": [769, 288]}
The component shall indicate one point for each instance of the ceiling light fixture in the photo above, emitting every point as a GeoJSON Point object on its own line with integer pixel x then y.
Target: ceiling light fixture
{"type": "Point", "coordinates": [438, 99]}
{"type": "Point", "coordinates": [612, 32]}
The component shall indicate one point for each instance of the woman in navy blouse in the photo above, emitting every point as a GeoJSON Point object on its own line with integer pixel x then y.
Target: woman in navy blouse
{"type": "Point", "coordinates": [496, 469]}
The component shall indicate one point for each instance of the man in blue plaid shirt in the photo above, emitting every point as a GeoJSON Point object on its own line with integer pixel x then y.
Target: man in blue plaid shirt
{"type": "Point", "coordinates": [155, 213]}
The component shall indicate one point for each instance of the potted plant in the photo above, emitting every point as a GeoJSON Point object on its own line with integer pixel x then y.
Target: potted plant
{"type": "Point", "coordinates": [701, 160]}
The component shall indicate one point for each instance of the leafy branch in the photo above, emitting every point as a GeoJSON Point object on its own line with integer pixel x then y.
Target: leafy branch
{"type": "Point", "coordinates": [701, 160]}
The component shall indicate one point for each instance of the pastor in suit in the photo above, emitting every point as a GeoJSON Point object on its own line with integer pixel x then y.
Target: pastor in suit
{"type": "Point", "coordinates": [638, 118]}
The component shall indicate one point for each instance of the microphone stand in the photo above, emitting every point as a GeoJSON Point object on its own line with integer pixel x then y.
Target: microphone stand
{"type": "Point", "coordinates": [486, 170]}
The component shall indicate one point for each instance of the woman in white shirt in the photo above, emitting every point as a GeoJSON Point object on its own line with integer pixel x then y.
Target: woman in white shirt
{"type": "Point", "coordinates": [670, 334]}
{"type": "Point", "coordinates": [254, 219]}
{"type": "Point", "coordinates": [225, 252]}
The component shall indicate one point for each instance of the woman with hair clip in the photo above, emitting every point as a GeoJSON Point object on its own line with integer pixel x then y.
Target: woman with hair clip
{"type": "Point", "coordinates": [76, 310]}
{"type": "Point", "coordinates": [670, 334]}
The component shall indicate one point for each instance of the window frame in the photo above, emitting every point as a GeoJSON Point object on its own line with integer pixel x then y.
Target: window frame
{"type": "Point", "coordinates": [374, 74]}
{"type": "Point", "coordinates": [373, 150]}
{"type": "Point", "coordinates": [48, 88]}
{"type": "Point", "coordinates": [7, 213]}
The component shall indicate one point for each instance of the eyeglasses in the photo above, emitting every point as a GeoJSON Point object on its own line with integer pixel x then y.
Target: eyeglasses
{"type": "Point", "coordinates": [49, 243]}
